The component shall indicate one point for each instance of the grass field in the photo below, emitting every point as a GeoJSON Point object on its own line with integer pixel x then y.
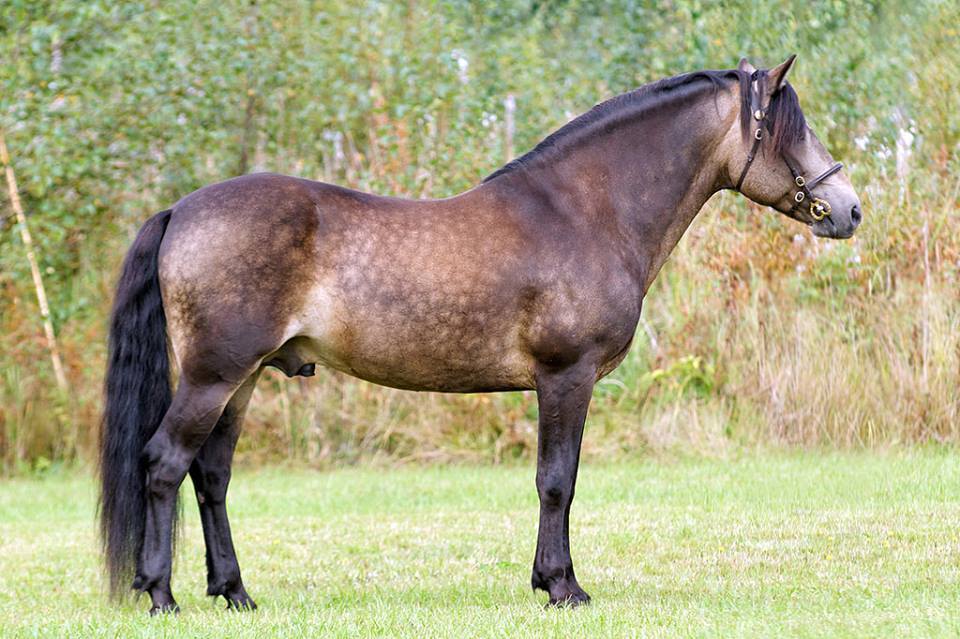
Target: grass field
{"type": "Point", "coordinates": [772, 545]}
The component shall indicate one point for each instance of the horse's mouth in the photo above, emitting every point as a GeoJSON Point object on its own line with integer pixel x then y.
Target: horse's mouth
{"type": "Point", "coordinates": [828, 228]}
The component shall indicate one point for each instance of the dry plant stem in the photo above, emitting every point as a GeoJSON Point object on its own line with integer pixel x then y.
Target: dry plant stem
{"type": "Point", "coordinates": [509, 110]}
{"type": "Point", "coordinates": [34, 268]}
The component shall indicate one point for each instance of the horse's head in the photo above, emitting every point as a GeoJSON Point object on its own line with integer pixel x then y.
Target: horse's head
{"type": "Point", "coordinates": [779, 161]}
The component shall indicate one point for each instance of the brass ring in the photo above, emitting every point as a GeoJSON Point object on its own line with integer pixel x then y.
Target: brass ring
{"type": "Point", "coordinates": [800, 181]}
{"type": "Point", "coordinates": [819, 209]}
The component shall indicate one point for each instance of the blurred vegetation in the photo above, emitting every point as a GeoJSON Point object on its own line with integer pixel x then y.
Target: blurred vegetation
{"type": "Point", "coordinates": [756, 333]}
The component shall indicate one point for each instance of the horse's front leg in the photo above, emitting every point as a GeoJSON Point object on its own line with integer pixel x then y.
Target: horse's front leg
{"type": "Point", "coordinates": [563, 397]}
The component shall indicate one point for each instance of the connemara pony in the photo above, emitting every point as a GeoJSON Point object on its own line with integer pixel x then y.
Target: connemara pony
{"type": "Point", "coordinates": [531, 280]}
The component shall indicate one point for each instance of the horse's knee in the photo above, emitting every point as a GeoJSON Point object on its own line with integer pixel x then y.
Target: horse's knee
{"type": "Point", "coordinates": [555, 491]}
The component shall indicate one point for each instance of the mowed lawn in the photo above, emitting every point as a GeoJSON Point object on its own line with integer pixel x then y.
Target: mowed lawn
{"type": "Point", "coordinates": [863, 544]}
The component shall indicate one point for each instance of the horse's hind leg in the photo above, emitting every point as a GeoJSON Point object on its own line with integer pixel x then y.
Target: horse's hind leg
{"type": "Point", "coordinates": [210, 473]}
{"type": "Point", "coordinates": [191, 417]}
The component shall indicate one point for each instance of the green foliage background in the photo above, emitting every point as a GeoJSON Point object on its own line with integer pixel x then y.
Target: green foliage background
{"type": "Point", "coordinates": [758, 334]}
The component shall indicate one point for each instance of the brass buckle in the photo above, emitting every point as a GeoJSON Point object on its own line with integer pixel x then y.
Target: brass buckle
{"type": "Point", "coordinates": [819, 209]}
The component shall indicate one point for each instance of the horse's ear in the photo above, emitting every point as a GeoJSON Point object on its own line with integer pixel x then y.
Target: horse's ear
{"type": "Point", "coordinates": [745, 66]}
{"type": "Point", "coordinates": [778, 74]}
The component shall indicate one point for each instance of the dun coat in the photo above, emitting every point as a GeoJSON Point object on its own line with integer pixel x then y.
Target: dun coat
{"type": "Point", "coordinates": [532, 280]}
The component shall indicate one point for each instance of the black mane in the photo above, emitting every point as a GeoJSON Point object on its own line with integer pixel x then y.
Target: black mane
{"type": "Point", "coordinates": [784, 114]}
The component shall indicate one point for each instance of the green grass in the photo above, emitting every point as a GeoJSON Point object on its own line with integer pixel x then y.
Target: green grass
{"type": "Point", "coordinates": [797, 545]}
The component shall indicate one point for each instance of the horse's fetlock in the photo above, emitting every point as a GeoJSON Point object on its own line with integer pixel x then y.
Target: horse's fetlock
{"type": "Point", "coordinates": [224, 583]}
{"type": "Point", "coordinates": [231, 581]}
{"type": "Point", "coordinates": [143, 582]}
{"type": "Point", "coordinates": [216, 588]}
{"type": "Point", "coordinates": [552, 575]}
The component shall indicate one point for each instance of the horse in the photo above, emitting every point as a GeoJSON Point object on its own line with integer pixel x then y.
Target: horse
{"type": "Point", "coordinates": [531, 280]}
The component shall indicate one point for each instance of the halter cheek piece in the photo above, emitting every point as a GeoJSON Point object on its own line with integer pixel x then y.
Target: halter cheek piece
{"type": "Point", "coordinates": [819, 209]}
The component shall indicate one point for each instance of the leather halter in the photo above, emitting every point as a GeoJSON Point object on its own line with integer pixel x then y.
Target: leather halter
{"type": "Point", "coordinates": [819, 209]}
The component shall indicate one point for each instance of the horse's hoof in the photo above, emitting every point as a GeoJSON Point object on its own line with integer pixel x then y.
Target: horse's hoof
{"type": "Point", "coordinates": [563, 588]}
{"type": "Point", "coordinates": [572, 599]}
{"type": "Point", "coordinates": [165, 609]}
{"type": "Point", "coordinates": [240, 601]}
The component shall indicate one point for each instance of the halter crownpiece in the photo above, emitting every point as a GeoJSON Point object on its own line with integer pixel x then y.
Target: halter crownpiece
{"type": "Point", "coordinates": [819, 208]}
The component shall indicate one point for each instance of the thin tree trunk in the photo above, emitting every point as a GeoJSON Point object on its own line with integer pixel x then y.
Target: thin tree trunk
{"type": "Point", "coordinates": [247, 133]}
{"type": "Point", "coordinates": [509, 109]}
{"type": "Point", "coordinates": [34, 268]}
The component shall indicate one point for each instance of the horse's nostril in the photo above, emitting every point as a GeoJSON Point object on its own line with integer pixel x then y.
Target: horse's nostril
{"type": "Point", "coordinates": [855, 214]}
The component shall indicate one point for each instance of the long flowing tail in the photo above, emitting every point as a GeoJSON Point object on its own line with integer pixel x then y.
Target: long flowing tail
{"type": "Point", "coordinates": [137, 396]}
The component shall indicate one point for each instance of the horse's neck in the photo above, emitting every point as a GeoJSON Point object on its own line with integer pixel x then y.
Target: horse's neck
{"type": "Point", "coordinates": [647, 179]}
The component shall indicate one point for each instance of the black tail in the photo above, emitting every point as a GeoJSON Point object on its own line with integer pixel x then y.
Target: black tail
{"type": "Point", "coordinates": [137, 396]}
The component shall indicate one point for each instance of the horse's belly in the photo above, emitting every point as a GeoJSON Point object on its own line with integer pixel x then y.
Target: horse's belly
{"type": "Point", "coordinates": [416, 347]}
{"type": "Point", "coordinates": [441, 366]}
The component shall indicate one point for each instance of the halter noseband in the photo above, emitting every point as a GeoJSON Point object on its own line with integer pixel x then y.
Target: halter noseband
{"type": "Point", "coordinates": [819, 209]}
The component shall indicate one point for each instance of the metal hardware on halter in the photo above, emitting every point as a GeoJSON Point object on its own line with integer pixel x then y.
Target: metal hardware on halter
{"type": "Point", "coordinates": [819, 209]}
